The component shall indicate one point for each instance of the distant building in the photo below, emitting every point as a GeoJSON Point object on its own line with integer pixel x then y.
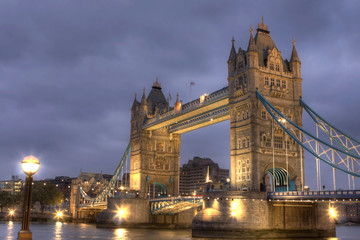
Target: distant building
{"type": "Point", "coordinates": [193, 175]}
{"type": "Point", "coordinates": [63, 183]}
{"type": "Point", "coordinates": [12, 186]}
{"type": "Point", "coordinates": [347, 212]}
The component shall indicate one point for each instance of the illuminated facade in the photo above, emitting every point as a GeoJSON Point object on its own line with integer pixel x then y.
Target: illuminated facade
{"type": "Point", "coordinates": [155, 154]}
{"type": "Point", "coordinates": [256, 144]}
{"type": "Point", "coordinates": [260, 151]}
{"type": "Point", "coordinates": [12, 186]}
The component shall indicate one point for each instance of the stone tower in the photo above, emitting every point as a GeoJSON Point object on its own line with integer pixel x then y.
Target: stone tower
{"type": "Point", "coordinates": [256, 143]}
{"type": "Point", "coordinates": [155, 155]}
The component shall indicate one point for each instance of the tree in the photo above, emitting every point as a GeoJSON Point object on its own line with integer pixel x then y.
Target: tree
{"type": "Point", "coordinates": [46, 195]}
{"type": "Point", "coordinates": [8, 200]}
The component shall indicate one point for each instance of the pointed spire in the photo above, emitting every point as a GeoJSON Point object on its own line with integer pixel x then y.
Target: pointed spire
{"type": "Point", "coordinates": [157, 84]}
{"type": "Point", "coordinates": [252, 45]}
{"type": "Point", "coordinates": [232, 55]}
{"type": "Point", "coordinates": [294, 54]}
{"type": "Point", "coordinates": [143, 99]}
{"type": "Point", "coordinates": [262, 27]}
{"type": "Point", "coordinates": [135, 103]}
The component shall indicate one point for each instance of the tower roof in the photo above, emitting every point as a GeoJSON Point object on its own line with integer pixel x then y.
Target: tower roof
{"type": "Point", "coordinates": [264, 43]}
{"type": "Point", "coordinates": [156, 98]}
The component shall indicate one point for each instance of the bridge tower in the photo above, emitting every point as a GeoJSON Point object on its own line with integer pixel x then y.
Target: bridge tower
{"type": "Point", "coordinates": [155, 154]}
{"type": "Point", "coordinates": [260, 150]}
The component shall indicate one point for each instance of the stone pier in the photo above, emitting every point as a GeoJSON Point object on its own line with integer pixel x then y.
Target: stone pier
{"type": "Point", "coordinates": [135, 213]}
{"type": "Point", "coordinates": [248, 215]}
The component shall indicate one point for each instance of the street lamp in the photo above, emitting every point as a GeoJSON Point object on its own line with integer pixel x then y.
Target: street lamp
{"type": "Point", "coordinates": [30, 165]}
{"type": "Point", "coordinates": [228, 184]}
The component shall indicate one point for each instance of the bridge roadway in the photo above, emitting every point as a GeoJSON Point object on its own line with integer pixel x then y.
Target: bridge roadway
{"type": "Point", "coordinates": [213, 108]}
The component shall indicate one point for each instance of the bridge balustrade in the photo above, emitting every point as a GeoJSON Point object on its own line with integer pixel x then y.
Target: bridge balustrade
{"type": "Point", "coordinates": [312, 195]}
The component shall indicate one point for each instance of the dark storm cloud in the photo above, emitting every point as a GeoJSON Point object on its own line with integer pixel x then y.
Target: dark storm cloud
{"type": "Point", "coordinates": [69, 70]}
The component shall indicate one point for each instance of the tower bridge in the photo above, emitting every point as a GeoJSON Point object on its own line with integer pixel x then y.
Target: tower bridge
{"type": "Point", "coordinates": [262, 101]}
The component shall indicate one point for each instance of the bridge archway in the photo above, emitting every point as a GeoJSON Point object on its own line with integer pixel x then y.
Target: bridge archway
{"type": "Point", "coordinates": [279, 177]}
{"type": "Point", "coordinates": [157, 189]}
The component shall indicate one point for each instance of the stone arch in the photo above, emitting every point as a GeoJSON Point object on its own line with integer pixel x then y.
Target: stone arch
{"type": "Point", "coordinates": [279, 176]}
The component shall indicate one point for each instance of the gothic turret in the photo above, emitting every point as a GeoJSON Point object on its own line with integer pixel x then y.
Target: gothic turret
{"type": "Point", "coordinates": [136, 103]}
{"type": "Point", "coordinates": [144, 104]}
{"type": "Point", "coordinates": [252, 53]}
{"type": "Point", "coordinates": [135, 107]}
{"type": "Point", "coordinates": [232, 59]}
{"type": "Point", "coordinates": [295, 64]}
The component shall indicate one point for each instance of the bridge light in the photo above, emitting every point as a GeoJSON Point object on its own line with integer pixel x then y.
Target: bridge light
{"type": "Point", "coordinates": [120, 213]}
{"type": "Point", "coordinates": [11, 213]}
{"type": "Point", "coordinates": [59, 215]}
{"type": "Point", "coordinates": [332, 212]}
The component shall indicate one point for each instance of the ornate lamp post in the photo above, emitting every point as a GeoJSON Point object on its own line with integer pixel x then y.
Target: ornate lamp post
{"type": "Point", "coordinates": [30, 165]}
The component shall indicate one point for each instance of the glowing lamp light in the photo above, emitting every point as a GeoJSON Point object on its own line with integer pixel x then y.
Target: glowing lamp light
{"type": "Point", "coordinates": [203, 97]}
{"type": "Point", "coordinates": [332, 212]}
{"type": "Point", "coordinates": [30, 165]}
{"type": "Point", "coordinates": [59, 214]}
{"type": "Point", "coordinates": [11, 213]}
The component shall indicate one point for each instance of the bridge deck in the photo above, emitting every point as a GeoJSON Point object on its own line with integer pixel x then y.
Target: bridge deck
{"type": "Point", "coordinates": [194, 115]}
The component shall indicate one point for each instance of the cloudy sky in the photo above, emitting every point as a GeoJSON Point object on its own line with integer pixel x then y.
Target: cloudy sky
{"type": "Point", "coordinates": [69, 71]}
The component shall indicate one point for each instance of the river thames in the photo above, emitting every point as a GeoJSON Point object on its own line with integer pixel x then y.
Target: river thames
{"type": "Point", "coordinates": [72, 231]}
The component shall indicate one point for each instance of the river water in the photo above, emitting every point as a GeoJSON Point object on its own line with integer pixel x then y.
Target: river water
{"type": "Point", "coordinates": [71, 231]}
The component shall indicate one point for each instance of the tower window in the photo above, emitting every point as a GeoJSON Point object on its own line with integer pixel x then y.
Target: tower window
{"type": "Point", "coordinates": [266, 81]}
{"type": "Point", "coordinates": [271, 66]}
{"type": "Point", "coordinates": [278, 82]}
{"type": "Point", "coordinates": [278, 142]}
{"type": "Point", "coordinates": [263, 115]}
{"type": "Point", "coordinates": [283, 83]}
{"type": "Point", "coordinates": [287, 143]}
{"type": "Point", "coordinates": [272, 83]}
{"type": "Point", "coordinates": [277, 67]}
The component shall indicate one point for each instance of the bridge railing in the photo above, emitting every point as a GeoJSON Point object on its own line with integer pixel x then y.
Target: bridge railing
{"type": "Point", "coordinates": [340, 194]}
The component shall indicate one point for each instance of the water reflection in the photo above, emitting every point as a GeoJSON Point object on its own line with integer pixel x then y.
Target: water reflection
{"type": "Point", "coordinates": [71, 231]}
{"type": "Point", "coordinates": [58, 231]}
{"type": "Point", "coordinates": [10, 230]}
{"type": "Point", "coordinates": [121, 233]}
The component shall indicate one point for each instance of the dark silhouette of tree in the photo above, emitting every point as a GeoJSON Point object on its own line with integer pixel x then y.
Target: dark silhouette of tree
{"type": "Point", "coordinates": [47, 194]}
{"type": "Point", "coordinates": [8, 200]}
